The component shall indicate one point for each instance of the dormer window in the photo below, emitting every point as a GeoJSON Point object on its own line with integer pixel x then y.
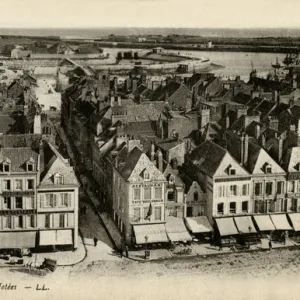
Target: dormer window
{"type": "Point", "coordinates": [6, 165]}
{"type": "Point", "coordinates": [231, 170]}
{"type": "Point", "coordinates": [268, 169]}
{"type": "Point", "coordinates": [58, 179]}
{"type": "Point", "coordinates": [30, 165]}
{"type": "Point", "coordinates": [146, 175]}
{"type": "Point", "coordinates": [171, 179]}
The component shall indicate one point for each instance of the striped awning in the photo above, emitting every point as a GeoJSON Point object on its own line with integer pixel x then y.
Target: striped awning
{"type": "Point", "coordinates": [156, 233]}
{"type": "Point", "coordinates": [56, 237]}
{"type": "Point", "coordinates": [295, 219]}
{"type": "Point", "coordinates": [264, 222]}
{"type": "Point", "coordinates": [17, 240]}
{"type": "Point", "coordinates": [198, 224]}
{"type": "Point", "coordinates": [176, 230]}
{"type": "Point", "coordinates": [226, 226]}
{"type": "Point", "coordinates": [244, 224]}
{"type": "Point", "coordinates": [280, 222]}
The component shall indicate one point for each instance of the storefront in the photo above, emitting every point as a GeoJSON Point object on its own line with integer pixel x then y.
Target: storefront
{"type": "Point", "coordinates": [18, 240]}
{"type": "Point", "coordinates": [56, 238]}
{"type": "Point", "coordinates": [294, 219]}
{"type": "Point", "coordinates": [150, 234]}
{"type": "Point", "coordinates": [226, 232]}
{"type": "Point", "coordinates": [282, 227]}
{"type": "Point", "coordinates": [247, 231]}
{"type": "Point", "coordinates": [199, 227]}
{"type": "Point", "coordinates": [264, 224]}
{"type": "Point", "coordinates": [176, 230]}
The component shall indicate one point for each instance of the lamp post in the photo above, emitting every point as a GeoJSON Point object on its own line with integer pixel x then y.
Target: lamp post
{"type": "Point", "coordinates": [146, 251]}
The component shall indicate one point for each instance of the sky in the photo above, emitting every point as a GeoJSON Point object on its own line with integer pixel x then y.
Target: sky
{"type": "Point", "coordinates": [150, 13]}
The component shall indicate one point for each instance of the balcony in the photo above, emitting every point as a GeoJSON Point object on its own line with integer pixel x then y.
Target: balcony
{"type": "Point", "coordinates": [17, 193]}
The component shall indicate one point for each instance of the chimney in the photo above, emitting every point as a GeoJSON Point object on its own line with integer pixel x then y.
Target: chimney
{"type": "Point", "coordinates": [119, 101]}
{"type": "Point", "coordinates": [257, 131]}
{"type": "Point", "coordinates": [152, 151]}
{"type": "Point", "coordinates": [134, 85]}
{"type": "Point", "coordinates": [242, 148]}
{"type": "Point", "coordinates": [263, 141]}
{"type": "Point", "coordinates": [116, 161]}
{"type": "Point", "coordinates": [42, 157]}
{"type": "Point", "coordinates": [37, 126]}
{"type": "Point", "coordinates": [280, 147]}
{"type": "Point", "coordinates": [246, 149]}
{"type": "Point", "coordinates": [294, 82]}
{"type": "Point", "coordinates": [159, 161]}
{"type": "Point", "coordinates": [227, 122]}
{"type": "Point", "coordinates": [275, 96]}
{"type": "Point", "coordinates": [298, 128]}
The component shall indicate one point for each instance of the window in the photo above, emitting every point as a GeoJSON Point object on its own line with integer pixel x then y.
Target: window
{"type": "Point", "coordinates": [30, 221]}
{"type": "Point", "coordinates": [6, 184]}
{"type": "Point", "coordinates": [294, 204]}
{"type": "Point", "coordinates": [6, 167]}
{"type": "Point", "coordinates": [6, 222]}
{"type": "Point", "coordinates": [258, 188]}
{"type": "Point", "coordinates": [65, 199]}
{"type": "Point", "coordinates": [260, 207]}
{"type": "Point", "coordinates": [136, 194]}
{"type": "Point", "coordinates": [6, 203]}
{"type": "Point", "coordinates": [30, 202]}
{"type": "Point", "coordinates": [157, 213]}
{"type": "Point", "coordinates": [29, 167]}
{"type": "Point", "coordinates": [271, 206]}
{"type": "Point", "coordinates": [232, 171]}
{"type": "Point", "coordinates": [50, 200]}
{"type": "Point", "coordinates": [233, 190]}
{"type": "Point", "coordinates": [232, 207]}
{"type": "Point", "coordinates": [147, 193]}
{"type": "Point", "coordinates": [47, 221]}
{"type": "Point", "coordinates": [158, 193]}
{"type": "Point", "coordinates": [62, 220]}
{"type": "Point", "coordinates": [19, 202]}
{"type": "Point", "coordinates": [146, 175]}
{"type": "Point", "coordinates": [220, 208]}
{"type": "Point", "coordinates": [146, 209]}
{"type": "Point", "coordinates": [19, 222]}
{"type": "Point", "coordinates": [171, 195]}
{"type": "Point", "coordinates": [245, 206]}
{"type": "Point", "coordinates": [18, 184]}
{"type": "Point", "coordinates": [58, 179]}
{"type": "Point", "coordinates": [189, 211]}
{"type": "Point", "coordinates": [201, 210]}
{"type": "Point", "coordinates": [136, 214]}
{"type": "Point", "coordinates": [280, 187]}
{"type": "Point", "coordinates": [291, 186]}
{"type": "Point", "coordinates": [269, 188]}
{"type": "Point", "coordinates": [245, 190]}
{"type": "Point", "coordinates": [196, 196]}
{"type": "Point", "coordinates": [268, 169]}
{"type": "Point", "coordinates": [30, 183]}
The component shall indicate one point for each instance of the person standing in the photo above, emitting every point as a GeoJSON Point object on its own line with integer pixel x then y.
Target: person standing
{"type": "Point", "coordinates": [270, 244]}
{"type": "Point", "coordinates": [121, 251]}
{"type": "Point", "coordinates": [126, 251]}
{"type": "Point", "coordinates": [95, 241]}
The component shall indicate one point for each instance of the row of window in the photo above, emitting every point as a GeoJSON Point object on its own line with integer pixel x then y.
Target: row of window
{"type": "Point", "coordinates": [148, 193]}
{"type": "Point", "coordinates": [17, 184]}
{"type": "Point", "coordinates": [233, 190]}
{"type": "Point", "coordinates": [268, 188]}
{"type": "Point", "coordinates": [17, 202]}
{"type": "Point", "coordinates": [280, 205]}
{"type": "Point", "coordinates": [15, 222]}
{"type": "Point", "coordinates": [232, 207]}
{"type": "Point", "coordinates": [6, 166]}
{"type": "Point", "coordinates": [137, 214]}
{"type": "Point", "coordinates": [55, 200]}
{"type": "Point", "coordinates": [61, 220]}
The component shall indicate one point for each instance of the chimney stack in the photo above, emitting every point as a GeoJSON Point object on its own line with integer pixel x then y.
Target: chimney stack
{"type": "Point", "coordinates": [227, 125]}
{"type": "Point", "coordinates": [152, 151]}
{"type": "Point", "coordinates": [263, 141]}
{"type": "Point", "coordinates": [257, 131]}
{"type": "Point", "coordinates": [246, 149]}
{"type": "Point", "coordinates": [280, 148]}
{"type": "Point", "coordinates": [160, 161]}
{"type": "Point", "coordinates": [242, 149]}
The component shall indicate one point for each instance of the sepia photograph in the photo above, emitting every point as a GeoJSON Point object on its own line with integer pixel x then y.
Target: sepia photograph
{"type": "Point", "coordinates": [149, 149]}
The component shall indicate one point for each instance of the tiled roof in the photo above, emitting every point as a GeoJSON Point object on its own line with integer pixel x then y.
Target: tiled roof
{"type": "Point", "coordinates": [19, 157]}
{"type": "Point", "coordinates": [128, 164]}
{"type": "Point", "coordinates": [168, 144]}
{"type": "Point", "coordinates": [162, 91]}
{"type": "Point", "coordinates": [55, 164]}
{"type": "Point", "coordinates": [20, 141]}
{"type": "Point", "coordinates": [207, 157]}
{"type": "Point", "coordinates": [242, 98]}
{"type": "Point", "coordinates": [7, 124]}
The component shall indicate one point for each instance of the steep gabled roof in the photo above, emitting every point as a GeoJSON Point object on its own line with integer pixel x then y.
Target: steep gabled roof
{"type": "Point", "coordinates": [208, 157]}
